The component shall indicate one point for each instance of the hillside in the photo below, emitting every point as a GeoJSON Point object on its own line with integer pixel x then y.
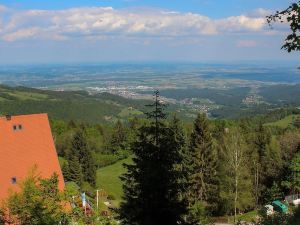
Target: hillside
{"type": "Point", "coordinates": [285, 122]}
{"type": "Point", "coordinates": [75, 105]}
{"type": "Point", "coordinates": [108, 178]}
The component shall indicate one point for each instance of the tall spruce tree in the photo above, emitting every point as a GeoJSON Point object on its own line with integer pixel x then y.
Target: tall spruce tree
{"type": "Point", "coordinates": [73, 171]}
{"type": "Point", "coordinates": [202, 163]}
{"type": "Point", "coordinates": [84, 155]}
{"type": "Point", "coordinates": [152, 183]}
{"type": "Point", "coordinates": [118, 139]}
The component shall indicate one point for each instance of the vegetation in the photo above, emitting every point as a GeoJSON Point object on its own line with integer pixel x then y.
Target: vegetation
{"type": "Point", "coordinates": [39, 202]}
{"type": "Point", "coordinates": [152, 184]}
{"type": "Point", "coordinates": [291, 15]}
{"type": "Point", "coordinates": [73, 105]}
{"type": "Point", "coordinates": [190, 172]}
{"type": "Point", "coordinates": [108, 179]}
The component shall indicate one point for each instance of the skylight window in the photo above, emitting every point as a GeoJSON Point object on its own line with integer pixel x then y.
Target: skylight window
{"type": "Point", "coordinates": [13, 180]}
{"type": "Point", "coordinates": [17, 127]}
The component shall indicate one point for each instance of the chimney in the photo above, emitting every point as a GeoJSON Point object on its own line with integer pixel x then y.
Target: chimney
{"type": "Point", "coordinates": [8, 117]}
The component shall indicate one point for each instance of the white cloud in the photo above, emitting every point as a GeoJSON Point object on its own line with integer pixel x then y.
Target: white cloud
{"type": "Point", "coordinates": [246, 44]}
{"type": "Point", "coordinates": [89, 22]}
{"type": "Point", "coordinates": [3, 8]}
{"type": "Point", "coordinates": [260, 12]}
{"type": "Point", "coordinates": [21, 34]}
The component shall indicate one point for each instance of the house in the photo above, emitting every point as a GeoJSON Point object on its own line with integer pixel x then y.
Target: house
{"type": "Point", "coordinates": [26, 142]}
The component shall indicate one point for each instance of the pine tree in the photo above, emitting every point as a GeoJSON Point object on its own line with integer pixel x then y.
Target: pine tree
{"type": "Point", "coordinates": [84, 155]}
{"type": "Point", "coordinates": [118, 139]}
{"type": "Point", "coordinates": [202, 163]}
{"type": "Point", "coordinates": [151, 184]}
{"type": "Point", "coordinates": [261, 161]}
{"type": "Point", "coordinates": [66, 171]}
{"type": "Point", "coordinates": [74, 171]}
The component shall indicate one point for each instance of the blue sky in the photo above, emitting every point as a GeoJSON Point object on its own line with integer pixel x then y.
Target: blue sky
{"type": "Point", "coordinates": [213, 8]}
{"type": "Point", "coordinates": [35, 31]}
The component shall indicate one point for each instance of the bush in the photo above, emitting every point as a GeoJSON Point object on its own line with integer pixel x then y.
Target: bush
{"type": "Point", "coordinates": [111, 197]}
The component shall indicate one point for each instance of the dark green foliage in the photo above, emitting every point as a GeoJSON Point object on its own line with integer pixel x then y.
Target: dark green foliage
{"type": "Point", "coordinates": [152, 187]}
{"type": "Point", "coordinates": [273, 193]}
{"type": "Point", "coordinates": [80, 150]}
{"type": "Point", "coordinates": [73, 171]}
{"type": "Point", "coordinates": [281, 219]}
{"type": "Point", "coordinates": [118, 140]}
{"type": "Point", "coordinates": [291, 15]}
{"type": "Point", "coordinates": [202, 164]}
{"type": "Point", "coordinates": [297, 122]}
{"type": "Point", "coordinates": [293, 180]}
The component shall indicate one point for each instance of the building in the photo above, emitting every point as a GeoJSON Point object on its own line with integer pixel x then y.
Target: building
{"type": "Point", "coordinates": [26, 142]}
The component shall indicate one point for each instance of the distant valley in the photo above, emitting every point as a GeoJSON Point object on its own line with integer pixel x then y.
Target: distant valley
{"type": "Point", "coordinates": [120, 91]}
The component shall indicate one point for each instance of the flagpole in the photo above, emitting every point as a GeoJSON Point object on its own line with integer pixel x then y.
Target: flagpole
{"type": "Point", "coordinates": [97, 200]}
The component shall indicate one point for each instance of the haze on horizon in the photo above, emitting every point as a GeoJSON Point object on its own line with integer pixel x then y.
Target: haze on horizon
{"type": "Point", "coordinates": [73, 31]}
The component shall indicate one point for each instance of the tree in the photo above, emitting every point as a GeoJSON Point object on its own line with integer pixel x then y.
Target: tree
{"type": "Point", "coordinates": [291, 15]}
{"type": "Point", "coordinates": [262, 158]}
{"type": "Point", "coordinates": [297, 122]}
{"type": "Point", "coordinates": [152, 187]}
{"type": "Point", "coordinates": [38, 202]}
{"type": "Point", "coordinates": [179, 146]}
{"type": "Point", "coordinates": [118, 139]}
{"type": "Point", "coordinates": [236, 186]}
{"type": "Point", "coordinates": [202, 163]}
{"type": "Point", "coordinates": [73, 171]}
{"type": "Point", "coordinates": [81, 150]}
{"type": "Point", "coordinates": [293, 181]}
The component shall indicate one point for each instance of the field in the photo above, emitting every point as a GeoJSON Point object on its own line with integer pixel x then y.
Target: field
{"type": "Point", "coordinates": [108, 178]}
{"type": "Point", "coordinates": [284, 123]}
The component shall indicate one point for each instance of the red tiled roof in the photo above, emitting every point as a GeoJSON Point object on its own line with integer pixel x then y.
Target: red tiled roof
{"type": "Point", "coordinates": [24, 147]}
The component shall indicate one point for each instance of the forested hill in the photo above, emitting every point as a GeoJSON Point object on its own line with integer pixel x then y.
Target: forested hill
{"type": "Point", "coordinates": [64, 105]}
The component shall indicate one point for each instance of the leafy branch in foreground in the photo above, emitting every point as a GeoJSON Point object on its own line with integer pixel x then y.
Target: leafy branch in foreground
{"type": "Point", "coordinates": [291, 15]}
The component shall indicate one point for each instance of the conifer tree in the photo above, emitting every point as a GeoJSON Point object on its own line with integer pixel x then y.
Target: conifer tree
{"type": "Point", "coordinates": [118, 139]}
{"type": "Point", "coordinates": [151, 184]}
{"type": "Point", "coordinates": [202, 162]}
{"type": "Point", "coordinates": [74, 171]}
{"type": "Point", "coordinates": [84, 155]}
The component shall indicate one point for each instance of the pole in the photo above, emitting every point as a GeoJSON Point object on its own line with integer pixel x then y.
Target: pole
{"type": "Point", "coordinates": [97, 200]}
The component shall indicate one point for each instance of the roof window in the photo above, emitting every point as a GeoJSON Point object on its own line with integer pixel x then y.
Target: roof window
{"type": "Point", "coordinates": [13, 180]}
{"type": "Point", "coordinates": [17, 127]}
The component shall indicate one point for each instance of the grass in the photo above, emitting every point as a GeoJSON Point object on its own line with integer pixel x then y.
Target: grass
{"type": "Point", "coordinates": [21, 95]}
{"type": "Point", "coordinates": [283, 123]}
{"type": "Point", "coordinates": [129, 112]}
{"type": "Point", "coordinates": [108, 178]}
{"type": "Point", "coordinates": [249, 216]}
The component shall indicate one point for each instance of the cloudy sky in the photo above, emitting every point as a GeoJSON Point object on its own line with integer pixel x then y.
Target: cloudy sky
{"type": "Point", "coordinates": [51, 31]}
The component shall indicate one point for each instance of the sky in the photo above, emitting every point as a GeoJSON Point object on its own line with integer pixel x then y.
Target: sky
{"type": "Point", "coordinates": [73, 31]}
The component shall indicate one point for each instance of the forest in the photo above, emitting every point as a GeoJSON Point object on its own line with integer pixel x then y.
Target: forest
{"type": "Point", "coordinates": [203, 171]}
{"type": "Point", "coordinates": [175, 172]}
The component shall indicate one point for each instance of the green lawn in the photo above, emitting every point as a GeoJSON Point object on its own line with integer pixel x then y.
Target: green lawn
{"type": "Point", "coordinates": [249, 216]}
{"type": "Point", "coordinates": [22, 95]}
{"type": "Point", "coordinates": [129, 112]}
{"type": "Point", "coordinates": [108, 178]}
{"type": "Point", "coordinates": [283, 123]}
